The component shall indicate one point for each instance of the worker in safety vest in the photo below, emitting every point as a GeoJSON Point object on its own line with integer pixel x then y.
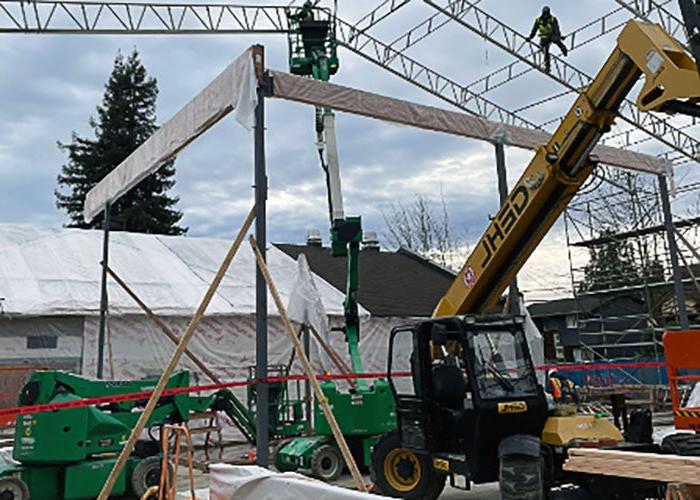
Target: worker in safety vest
{"type": "Point", "coordinates": [562, 389]}
{"type": "Point", "coordinates": [548, 28]}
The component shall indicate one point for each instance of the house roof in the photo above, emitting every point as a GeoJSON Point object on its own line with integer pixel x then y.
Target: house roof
{"type": "Point", "coordinates": [57, 272]}
{"type": "Point", "coordinates": [562, 307]}
{"type": "Point", "coordinates": [400, 283]}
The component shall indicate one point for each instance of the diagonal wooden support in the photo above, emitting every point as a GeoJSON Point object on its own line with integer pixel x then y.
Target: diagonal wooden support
{"type": "Point", "coordinates": [170, 367]}
{"type": "Point", "coordinates": [320, 397]}
{"type": "Point", "coordinates": [161, 324]}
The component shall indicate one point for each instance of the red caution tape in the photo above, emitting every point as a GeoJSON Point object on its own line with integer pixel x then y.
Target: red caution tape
{"type": "Point", "coordinates": [144, 395]}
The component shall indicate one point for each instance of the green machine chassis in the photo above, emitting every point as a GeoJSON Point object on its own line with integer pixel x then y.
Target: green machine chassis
{"type": "Point", "coordinates": [68, 453]}
{"type": "Point", "coordinates": [367, 410]}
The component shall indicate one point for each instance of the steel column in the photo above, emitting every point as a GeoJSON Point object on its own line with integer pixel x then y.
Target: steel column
{"type": "Point", "coordinates": [262, 406]}
{"type": "Point", "coordinates": [673, 250]}
{"type": "Point", "coordinates": [103, 293]}
{"type": "Point", "coordinates": [499, 141]}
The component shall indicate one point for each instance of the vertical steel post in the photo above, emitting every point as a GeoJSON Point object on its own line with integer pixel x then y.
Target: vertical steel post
{"type": "Point", "coordinates": [262, 411]}
{"type": "Point", "coordinates": [499, 141]}
{"type": "Point", "coordinates": [673, 250]}
{"type": "Point", "coordinates": [103, 296]}
{"type": "Point", "coordinates": [307, 384]}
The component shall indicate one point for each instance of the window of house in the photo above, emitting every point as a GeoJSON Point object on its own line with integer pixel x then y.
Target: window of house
{"type": "Point", "coordinates": [571, 321]}
{"type": "Point", "coordinates": [42, 342]}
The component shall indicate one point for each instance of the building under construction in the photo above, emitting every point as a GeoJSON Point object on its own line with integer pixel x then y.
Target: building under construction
{"type": "Point", "coordinates": [472, 395]}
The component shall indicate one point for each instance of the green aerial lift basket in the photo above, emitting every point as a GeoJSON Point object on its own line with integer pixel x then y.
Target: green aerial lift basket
{"type": "Point", "coordinates": [312, 45]}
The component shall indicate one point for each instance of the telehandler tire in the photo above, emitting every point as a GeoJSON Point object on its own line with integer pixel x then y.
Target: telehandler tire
{"type": "Point", "coordinates": [400, 473]}
{"type": "Point", "coordinates": [520, 478]}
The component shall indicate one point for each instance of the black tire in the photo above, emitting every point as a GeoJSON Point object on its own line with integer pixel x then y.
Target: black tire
{"type": "Point", "coordinates": [279, 466]}
{"type": "Point", "coordinates": [520, 478]}
{"type": "Point", "coordinates": [147, 474]}
{"type": "Point", "coordinates": [13, 488]}
{"type": "Point", "coordinates": [327, 463]}
{"type": "Point", "coordinates": [389, 457]}
{"type": "Point", "coordinates": [684, 444]}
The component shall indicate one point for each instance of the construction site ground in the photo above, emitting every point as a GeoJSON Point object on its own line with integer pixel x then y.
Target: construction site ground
{"type": "Point", "coordinates": [237, 454]}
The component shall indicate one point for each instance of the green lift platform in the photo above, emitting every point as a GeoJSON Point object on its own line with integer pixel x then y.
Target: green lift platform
{"type": "Point", "coordinates": [366, 410]}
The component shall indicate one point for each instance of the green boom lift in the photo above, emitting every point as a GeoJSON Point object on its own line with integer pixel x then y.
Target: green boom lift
{"type": "Point", "coordinates": [68, 453]}
{"type": "Point", "coordinates": [367, 409]}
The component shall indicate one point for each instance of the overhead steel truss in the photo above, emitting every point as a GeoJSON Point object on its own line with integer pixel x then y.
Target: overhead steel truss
{"type": "Point", "coordinates": [655, 11]}
{"type": "Point", "coordinates": [110, 18]}
{"type": "Point", "coordinates": [103, 17]}
{"type": "Point", "coordinates": [579, 37]}
{"type": "Point", "coordinates": [488, 27]}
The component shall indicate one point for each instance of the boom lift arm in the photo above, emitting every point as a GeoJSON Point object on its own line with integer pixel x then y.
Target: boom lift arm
{"type": "Point", "coordinates": [560, 167]}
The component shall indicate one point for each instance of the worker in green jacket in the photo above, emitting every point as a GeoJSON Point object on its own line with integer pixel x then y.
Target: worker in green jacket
{"type": "Point", "coordinates": [548, 28]}
{"type": "Point", "coordinates": [305, 12]}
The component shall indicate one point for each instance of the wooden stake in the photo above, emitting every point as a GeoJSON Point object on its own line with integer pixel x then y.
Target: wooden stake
{"type": "Point", "coordinates": [335, 357]}
{"type": "Point", "coordinates": [170, 367]}
{"type": "Point", "coordinates": [161, 324]}
{"type": "Point", "coordinates": [320, 397]}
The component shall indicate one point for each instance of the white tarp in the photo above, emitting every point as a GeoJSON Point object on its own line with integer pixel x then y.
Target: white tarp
{"type": "Point", "coordinates": [250, 482]}
{"type": "Point", "coordinates": [535, 342]}
{"type": "Point", "coordinates": [57, 272]}
{"type": "Point", "coordinates": [234, 88]}
{"type": "Point", "coordinates": [306, 306]}
{"type": "Point", "coordinates": [694, 398]}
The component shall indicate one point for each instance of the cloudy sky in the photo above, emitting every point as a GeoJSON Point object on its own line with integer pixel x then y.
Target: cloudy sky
{"type": "Point", "coordinates": [50, 86]}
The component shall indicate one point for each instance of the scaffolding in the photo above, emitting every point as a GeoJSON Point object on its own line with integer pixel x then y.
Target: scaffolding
{"type": "Point", "coordinates": [621, 267]}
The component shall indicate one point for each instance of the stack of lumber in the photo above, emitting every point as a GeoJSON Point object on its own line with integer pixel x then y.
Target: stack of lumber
{"type": "Point", "coordinates": [649, 466]}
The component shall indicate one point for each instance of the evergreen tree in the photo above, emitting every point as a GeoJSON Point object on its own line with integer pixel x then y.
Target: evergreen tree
{"type": "Point", "coordinates": [125, 119]}
{"type": "Point", "coordinates": [611, 265]}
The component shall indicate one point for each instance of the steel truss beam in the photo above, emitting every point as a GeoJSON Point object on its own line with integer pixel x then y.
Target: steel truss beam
{"type": "Point", "coordinates": [382, 11]}
{"type": "Point", "coordinates": [655, 12]}
{"type": "Point", "coordinates": [513, 42]}
{"type": "Point", "coordinates": [110, 18]}
{"type": "Point", "coordinates": [423, 77]}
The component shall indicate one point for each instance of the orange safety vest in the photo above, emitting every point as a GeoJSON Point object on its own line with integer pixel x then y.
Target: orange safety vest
{"type": "Point", "coordinates": [556, 387]}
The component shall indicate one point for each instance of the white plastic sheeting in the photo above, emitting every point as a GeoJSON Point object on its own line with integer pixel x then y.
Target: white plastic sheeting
{"type": "Point", "coordinates": [694, 398]}
{"type": "Point", "coordinates": [306, 306]}
{"type": "Point", "coordinates": [234, 88]}
{"type": "Point", "coordinates": [57, 272]}
{"type": "Point", "coordinates": [535, 342]}
{"type": "Point", "coordinates": [226, 344]}
{"type": "Point", "coordinates": [250, 482]}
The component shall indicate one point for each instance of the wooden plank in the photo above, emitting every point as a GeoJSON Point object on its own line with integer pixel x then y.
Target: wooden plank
{"type": "Point", "coordinates": [320, 397]}
{"type": "Point", "coordinates": [172, 363]}
{"type": "Point", "coordinates": [648, 466]}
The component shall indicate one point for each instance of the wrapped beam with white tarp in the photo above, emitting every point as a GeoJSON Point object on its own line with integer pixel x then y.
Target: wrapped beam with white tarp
{"type": "Point", "coordinates": [389, 109]}
{"type": "Point", "coordinates": [235, 90]}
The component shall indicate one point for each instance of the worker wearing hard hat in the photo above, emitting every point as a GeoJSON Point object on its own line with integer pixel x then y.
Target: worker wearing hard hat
{"type": "Point", "coordinates": [306, 12]}
{"type": "Point", "coordinates": [564, 393]}
{"type": "Point", "coordinates": [548, 28]}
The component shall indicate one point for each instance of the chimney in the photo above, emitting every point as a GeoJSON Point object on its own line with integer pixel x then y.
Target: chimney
{"type": "Point", "coordinates": [313, 239]}
{"type": "Point", "coordinates": [370, 241]}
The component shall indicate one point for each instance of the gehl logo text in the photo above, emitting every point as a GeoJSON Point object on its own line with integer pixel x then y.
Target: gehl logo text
{"type": "Point", "coordinates": [504, 222]}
